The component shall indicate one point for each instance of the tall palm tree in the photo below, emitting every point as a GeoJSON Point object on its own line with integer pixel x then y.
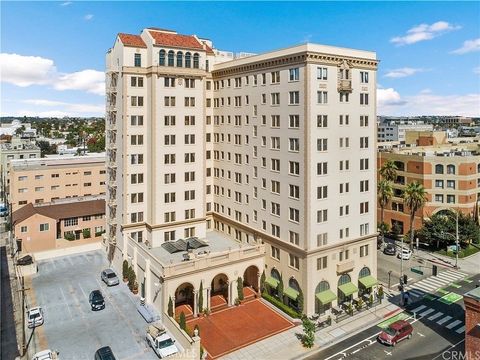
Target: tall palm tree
{"type": "Point", "coordinates": [385, 194]}
{"type": "Point", "coordinates": [415, 198]}
{"type": "Point", "coordinates": [388, 171]}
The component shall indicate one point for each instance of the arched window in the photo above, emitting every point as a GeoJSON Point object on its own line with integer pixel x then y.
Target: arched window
{"type": "Point", "coordinates": [188, 60]}
{"type": "Point", "coordinates": [196, 61]}
{"type": "Point", "coordinates": [450, 169]}
{"type": "Point", "coordinates": [179, 59]}
{"type": "Point", "coordinates": [171, 58]}
{"type": "Point", "coordinates": [275, 274]}
{"type": "Point", "coordinates": [293, 283]}
{"type": "Point", "coordinates": [364, 272]}
{"type": "Point", "coordinates": [438, 169]}
{"type": "Point", "coordinates": [322, 286]}
{"type": "Point", "coordinates": [344, 279]}
{"type": "Point", "coordinates": [161, 58]}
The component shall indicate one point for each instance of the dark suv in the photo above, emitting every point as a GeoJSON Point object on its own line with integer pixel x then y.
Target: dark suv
{"type": "Point", "coordinates": [97, 302]}
{"type": "Point", "coordinates": [389, 249]}
{"type": "Point", "coordinates": [104, 353]}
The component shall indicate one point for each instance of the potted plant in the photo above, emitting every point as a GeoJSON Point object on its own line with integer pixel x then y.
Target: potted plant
{"type": "Point", "coordinates": [131, 278]}
{"type": "Point", "coordinates": [125, 271]}
{"type": "Point", "coordinates": [359, 304]}
{"type": "Point", "coordinates": [237, 301]}
{"type": "Point", "coordinates": [206, 311]}
{"type": "Point", "coordinates": [350, 309]}
{"type": "Point", "coordinates": [371, 300]}
{"type": "Point", "coordinates": [135, 288]}
{"type": "Point", "coordinates": [380, 293]}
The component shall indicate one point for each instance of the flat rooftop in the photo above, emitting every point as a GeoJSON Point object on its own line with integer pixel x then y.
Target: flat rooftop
{"type": "Point", "coordinates": [58, 161]}
{"type": "Point", "coordinates": [474, 294]}
{"type": "Point", "coordinates": [216, 242]}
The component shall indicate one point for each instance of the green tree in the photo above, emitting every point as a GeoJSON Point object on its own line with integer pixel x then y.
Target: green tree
{"type": "Point", "coordinates": [200, 297]}
{"type": "Point", "coordinates": [300, 301]}
{"type": "Point", "coordinates": [170, 307]}
{"type": "Point", "coordinates": [262, 282]}
{"type": "Point", "coordinates": [96, 144]}
{"type": "Point", "coordinates": [125, 269]}
{"type": "Point", "coordinates": [388, 171]}
{"type": "Point", "coordinates": [183, 321]}
{"type": "Point", "coordinates": [280, 288]}
{"type": "Point", "coordinates": [46, 148]}
{"type": "Point", "coordinates": [414, 197]}
{"type": "Point", "coordinates": [240, 288]}
{"type": "Point", "coordinates": [308, 338]}
{"type": "Point", "coordinates": [385, 194]}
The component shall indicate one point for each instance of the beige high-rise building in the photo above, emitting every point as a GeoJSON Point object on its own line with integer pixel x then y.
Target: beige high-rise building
{"type": "Point", "coordinates": [271, 154]}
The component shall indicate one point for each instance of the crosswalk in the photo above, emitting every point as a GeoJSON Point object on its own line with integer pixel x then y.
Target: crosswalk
{"type": "Point", "coordinates": [438, 317]}
{"type": "Point", "coordinates": [433, 283]}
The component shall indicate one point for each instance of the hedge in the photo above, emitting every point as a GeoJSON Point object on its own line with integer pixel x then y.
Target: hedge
{"type": "Point", "coordinates": [285, 308]}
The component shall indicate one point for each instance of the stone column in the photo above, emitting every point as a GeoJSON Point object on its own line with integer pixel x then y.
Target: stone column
{"type": "Point", "coordinates": [230, 292]}
{"type": "Point", "coordinates": [195, 302]}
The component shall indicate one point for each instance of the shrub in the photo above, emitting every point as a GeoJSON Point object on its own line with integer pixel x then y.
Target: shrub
{"type": "Point", "coordinates": [69, 236]}
{"type": "Point", "coordinates": [380, 292]}
{"type": "Point", "coordinates": [285, 308]}
{"type": "Point", "coordinates": [308, 338]}
{"type": "Point", "coordinates": [280, 288]}
{"type": "Point", "coordinates": [240, 288]}
{"type": "Point", "coordinates": [237, 301]}
{"type": "Point", "coordinates": [359, 304]}
{"type": "Point", "coordinates": [182, 322]}
{"type": "Point", "coordinates": [262, 282]}
{"type": "Point", "coordinates": [125, 269]}
{"type": "Point", "coordinates": [200, 297]}
{"type": "Point", "coordinates": [170, 307]}
{"type": "Point", "coordinates": [131, 278]}
{"type": "Point", "coordinates": [86, 233]}
{"type": "Point", "coordinates": [300, 301]}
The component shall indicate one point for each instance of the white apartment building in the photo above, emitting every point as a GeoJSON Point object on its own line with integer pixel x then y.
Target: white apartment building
{"type": "Point", "coordinates": [395, 131]}
{"type": "Point", "coordinates": [269, 160]}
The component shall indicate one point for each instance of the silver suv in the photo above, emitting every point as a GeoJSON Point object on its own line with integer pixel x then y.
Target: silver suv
{"type": "Point", "coordinates": [109, 277]}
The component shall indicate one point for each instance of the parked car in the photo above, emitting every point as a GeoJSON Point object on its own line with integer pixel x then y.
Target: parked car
{"type": "Point", "coordinates": [396, 332]}
{"type": "Point", "coordinates": [3, 210]}
{"type": "Point", "coordinates": [405, 254]}
{"type": "Point", "coordinates": [104, 353]}
{"type": "Point", "coordinates": [109, 277]}
{"type": "Point", "coordinates": [159, 340]}
{"type": "Point", "coordinates": [390, 249]}
{"type": "Point", "coordinates": [97, 302]}
{"type": "Point", "coordinates": [46, 355]}
{"type": "Point", "coordinates": [25, 260]}
{"type": "Point", "coordinates": [35, 317]}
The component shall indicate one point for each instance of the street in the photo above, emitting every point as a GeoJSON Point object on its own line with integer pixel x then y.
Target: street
{"type": "Point", "coordinates": [437, 320]}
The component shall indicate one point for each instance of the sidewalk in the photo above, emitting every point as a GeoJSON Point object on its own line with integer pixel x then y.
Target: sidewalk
{"type": "Point", "coordinates": [286, 345]}
{"type": "Point", "coordinates": [469, 264]}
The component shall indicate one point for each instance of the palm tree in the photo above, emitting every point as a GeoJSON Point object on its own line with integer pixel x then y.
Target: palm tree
{"type": "Point", "coordinates": [385, 194]}
{"type": "Point", "coordinates": [415, 198]}
{"type": "Point", "coordinates": [388, 171]}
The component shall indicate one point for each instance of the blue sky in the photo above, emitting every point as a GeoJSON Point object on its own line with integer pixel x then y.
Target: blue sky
{"type": "Point", "coordinates": [52, 53]}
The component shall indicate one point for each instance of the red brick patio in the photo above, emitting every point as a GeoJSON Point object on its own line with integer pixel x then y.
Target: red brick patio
{"type": "Point", "coordinates": [231, 329]}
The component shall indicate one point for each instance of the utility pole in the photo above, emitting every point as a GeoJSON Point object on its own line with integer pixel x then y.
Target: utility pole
{"type": "Point", "coordinates": [24, 338]}
{"type": "Point", "coordinates": [456, 243]}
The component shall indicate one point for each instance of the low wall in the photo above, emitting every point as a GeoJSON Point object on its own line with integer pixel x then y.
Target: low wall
{"type": "Point", "coordinates": [191, 346]}
{"type": "Point", "coordinates": [49, 254]}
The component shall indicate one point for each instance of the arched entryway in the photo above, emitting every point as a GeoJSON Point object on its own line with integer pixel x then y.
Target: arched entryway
{"type": "Point", "coordinates": [184, 299]}
{"type": "Point", "coordinates": [250, 277]}
{"type": "Point", "coordinates": [292, 293]}
{"type": "Point", "coordinates": [323, 297]}
{"type": "Point", "coordinates": [346, 289]}
{"type": "Point", "coordinates": [365, 282]}
{"type": "Point", "coordinates": [219, 292]}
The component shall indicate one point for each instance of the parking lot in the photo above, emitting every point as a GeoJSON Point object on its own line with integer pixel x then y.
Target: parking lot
{"type": "Point", "coordinates": [61, 287]}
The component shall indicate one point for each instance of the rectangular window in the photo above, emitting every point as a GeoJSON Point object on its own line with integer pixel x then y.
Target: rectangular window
{"type": "Point", "coordinates": [294, 261]}
{"type": "Point", "coordinates": [322, 121]}
{"type": "Point", "coordinates": [322, 144]}
{"type": "Point", "coordinates": [275, 98]}
{"type": "Point", "coordinates": [322, 97]}
{"type": "Point", "coordinates": [322, 168]}
{"type": "Point", "coordinates": [294, 121]}
{"type": "Point", "coordinates": [322, 215]}
{"type": "Point", "coordinates": [138, 60]}
{"type": "Point", "coordinates": [275, 253]}
{"type": "Point", "coordinates": [363, 98]}
{"type": "Point", "coordinates": [322, 262]}
{"type": "Point", "coordinates": [364, 77]}
{"type": "Point", "coordinates": [294, 238]}
{"type": "Point", "coordinates": [294, 98]}
{"type": "Point", "coordinates": [294, 74]}
{"type": "Point", "coordinates": [322, 192]}
{"type": "Point", "coordinates": [294, 168]}
{"type": "Point", "coordinates": [44, 227]}
{"type": "Point", "coordinates": [321, 73]}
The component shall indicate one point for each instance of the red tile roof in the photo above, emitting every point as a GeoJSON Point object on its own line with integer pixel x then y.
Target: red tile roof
{"type": "Point", "coordinates": [175, 40]}
{"type": "Point", "coordinates": [60, 211]}
{"type": "Point", "coordinates": [209, 49]}
{"type": "Point", "coordinates": [132, 40]}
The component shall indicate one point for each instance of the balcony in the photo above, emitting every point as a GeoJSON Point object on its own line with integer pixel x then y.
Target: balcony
{"type": "Point", "coordinates": [345, 266]}
{"type": "Point", "coordinates": [112, 107]}
{"type": "Point", "coordinates": [345, 86]}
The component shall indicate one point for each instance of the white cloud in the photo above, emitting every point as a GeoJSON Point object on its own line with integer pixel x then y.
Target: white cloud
{"type": "Point", "coordinates": [67, 107]}
{"type": "Point", "coordinates": [53, 108]}
{"type": "Point", "coordinates": [66, 3]}
{"type": "Point", "coordinates": [390, 102]}
{"type": "Point", "coordinates": [468, 47]}
{"type": "Point", "coordinates": [476, 70]}
{"type": "Point", "coordinates": [403, 72]}
{"type": "Point", "coordinates": [424, 32]}
{"type": "Point", "coordinates": [88, 17]}
{"type": "Point", "coordinates": [25, 71]}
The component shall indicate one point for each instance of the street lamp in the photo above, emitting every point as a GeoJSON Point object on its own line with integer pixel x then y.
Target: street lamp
{"type": "Point", "coordinates": [456, 237]}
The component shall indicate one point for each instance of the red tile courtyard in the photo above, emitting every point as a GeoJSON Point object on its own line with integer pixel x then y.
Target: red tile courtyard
{"type": "Point", "coordinates": [236, 327]}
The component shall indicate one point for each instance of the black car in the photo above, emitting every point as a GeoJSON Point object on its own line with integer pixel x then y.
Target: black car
{"type": "Point", "coordinates": [97, 302]}
{"type": "Point", "coordinates": [104, 353]}
{"type": "Point", "coordinates": [26, 260]}
{"type": "Point", "coordinates": [390, 249]}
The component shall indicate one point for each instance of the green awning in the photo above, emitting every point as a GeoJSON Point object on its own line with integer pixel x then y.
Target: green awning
{"type": "Point", "coordinates": [272, 282]}
{"type": "Point", "coordinates": [326, 297]}
{"type": "Point", "coordinates": [348, 289]}
{"type": "Point", "coordinates": [368, 281]}
{"type": "Point", "coordinates": [291, 293]}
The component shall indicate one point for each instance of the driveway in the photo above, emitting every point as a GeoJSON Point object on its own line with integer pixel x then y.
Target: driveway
{"type": "Point", "coordinates": [61, 287]}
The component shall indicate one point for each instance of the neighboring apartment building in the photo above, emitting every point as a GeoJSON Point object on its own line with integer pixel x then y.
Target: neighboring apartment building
{"type": "Point", "coordinates": [472, 323]}
{"type": "Point", "coordinates": [47, 179]}
{"type": "Point", "coordinates": [450, 174]}
{"type": "Point", "coordinates": [16, 149]}
{"type": "Point", "coordinates": [395, 131]}
{"type": "Point", "coordinates": [244, 154]}
{"type": "Point", "coordinates": [62, 224]}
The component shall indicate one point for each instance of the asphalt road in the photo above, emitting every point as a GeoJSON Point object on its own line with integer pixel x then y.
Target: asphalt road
{"type": "Point", "coordinates": [438, 327]}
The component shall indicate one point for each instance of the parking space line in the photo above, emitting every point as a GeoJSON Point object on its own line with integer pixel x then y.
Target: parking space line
{"type": "Point", "coordinates": [83, 292]}
{"type": "Point", "coordinates": [66, 303]}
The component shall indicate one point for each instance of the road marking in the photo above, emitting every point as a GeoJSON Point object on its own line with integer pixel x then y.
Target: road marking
{"type": "Point", "coordinates": [425, 287]}
{"type": "Point", "coordinates": [444, 320]}
{"type": "Point", "coordinates": [420, 334]}
{"type": "Point", "coordinates": [416, 293]}
{"type": "Point", "coordinates": [447, 351]}
{"type": "Point", "coordinates": [66, 303]}
{"type": "Point", "coordinates": [460, 330]}
{"type": "Point", "coordinates": [353, 352]}
{"type": "Point", "coordinates": [426, 312]}
{"type": "Point", "coordinates": [433, 317]}
{"type": "Point", "coordinates": [83, 292]}
{"type": "Point", "coordinates": [453, 324]}
{"type": "Point", "coordinates": [421, 307]}
{"type": "Point", "coordinates": [388, 353]}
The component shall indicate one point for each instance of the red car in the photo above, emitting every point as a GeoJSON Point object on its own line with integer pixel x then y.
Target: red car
{"type": "Point", "coordinates": [396, 332]}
